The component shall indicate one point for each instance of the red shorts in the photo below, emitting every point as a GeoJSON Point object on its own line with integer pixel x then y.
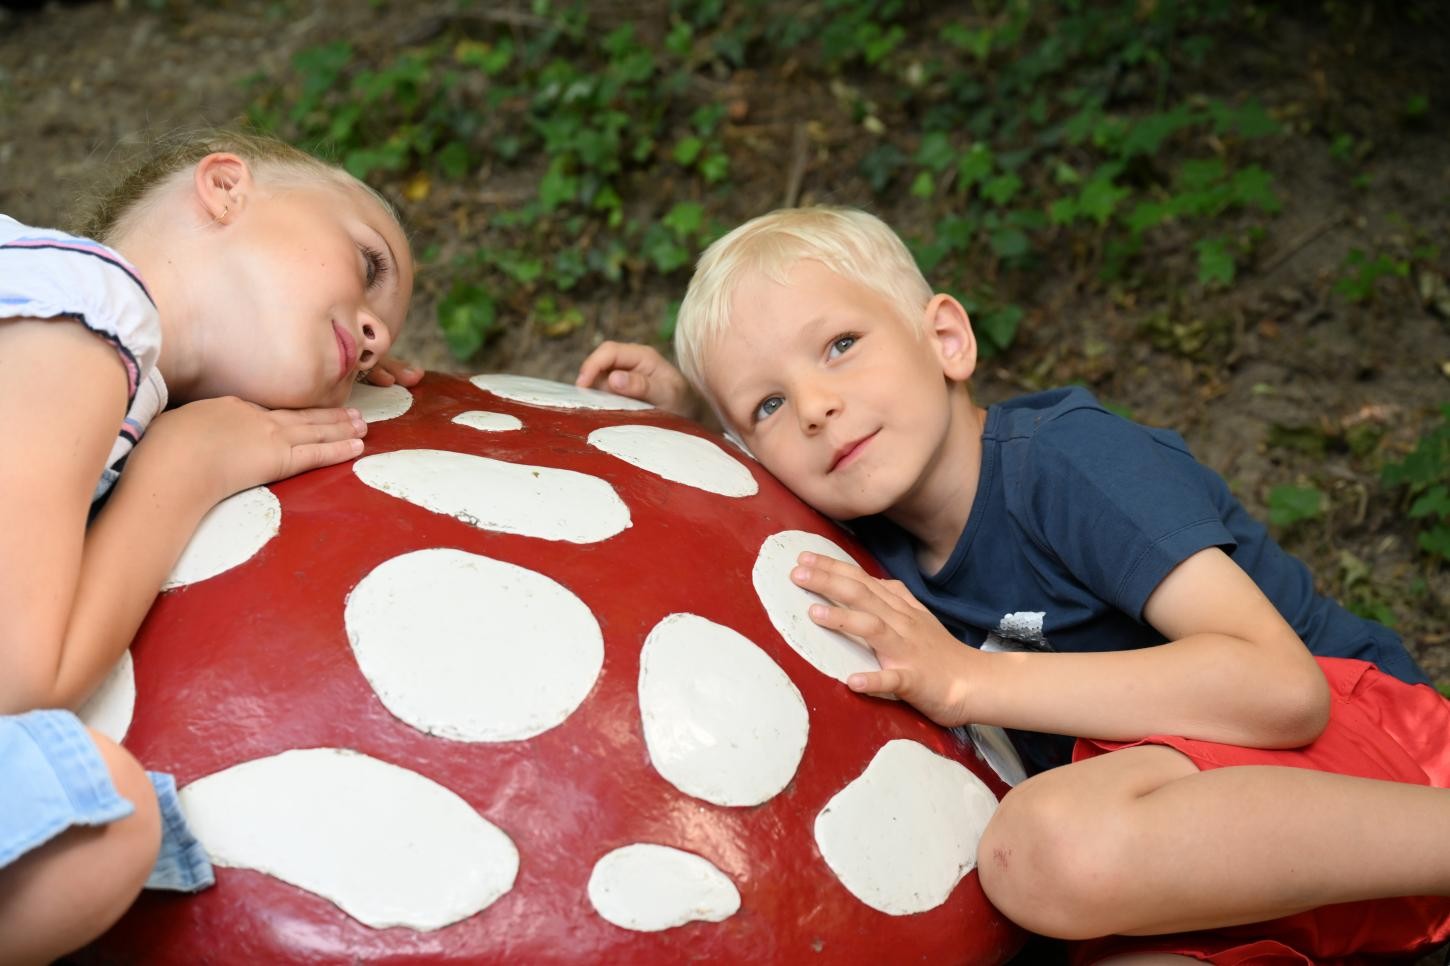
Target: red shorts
{"type": "Point", "coordinates": [1379, 727]}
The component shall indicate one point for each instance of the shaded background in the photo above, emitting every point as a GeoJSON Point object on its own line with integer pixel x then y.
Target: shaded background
{"type": "Point", "coordinates": [1224, 217]}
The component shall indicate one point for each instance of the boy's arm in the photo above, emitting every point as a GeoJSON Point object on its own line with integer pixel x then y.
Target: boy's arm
{"type": "Point", "coordinates": [1233, 670]}
{"type": "Point", "coordinates": [640, 372]}
{"type": "Point", "coordinates": [71, 598]}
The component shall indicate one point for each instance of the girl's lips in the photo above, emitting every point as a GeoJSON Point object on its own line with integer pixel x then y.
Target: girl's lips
{"type": "Point", "coordinates": [346, 351]}
{"type": "Point", "coordinates": [850, 451]}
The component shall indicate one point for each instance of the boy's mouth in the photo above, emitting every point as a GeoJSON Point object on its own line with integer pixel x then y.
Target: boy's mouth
{"type": "Point", "coordinates": [848, 453]}
{"type": "Point", "coordinates": [346, 351]}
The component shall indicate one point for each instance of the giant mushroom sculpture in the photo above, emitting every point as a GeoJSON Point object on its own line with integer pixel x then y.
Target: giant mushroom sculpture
{"type": "Point", "coordinates": [528, 683]}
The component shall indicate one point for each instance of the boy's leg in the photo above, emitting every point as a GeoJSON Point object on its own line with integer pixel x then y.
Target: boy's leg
{"type": "Point", "coordinates": [1139, 841]}
{"type": "Point", "coordinates": [68, 891]}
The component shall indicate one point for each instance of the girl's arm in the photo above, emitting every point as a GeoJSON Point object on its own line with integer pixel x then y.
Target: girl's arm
{"type": "Point", "coordinates": [1233, 670]}
{"type": "Point", "coordinates": [79, 595]}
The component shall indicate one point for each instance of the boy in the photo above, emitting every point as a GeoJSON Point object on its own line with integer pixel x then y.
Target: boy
{"type": "Point", "coordinates": [1121, 592]}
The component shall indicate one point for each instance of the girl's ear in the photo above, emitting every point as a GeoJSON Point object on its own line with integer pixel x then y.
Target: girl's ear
{"type": "Point", "coordinates": [950, 331]}
{"type": "Point", "coordinates": [222, 182]}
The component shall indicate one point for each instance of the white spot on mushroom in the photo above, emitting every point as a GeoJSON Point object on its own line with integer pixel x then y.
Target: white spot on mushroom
{"type": "Point", "coordinates": [546, 392]}
{"type": "Point", "coordinates": [829, 652]}
{"type": "Point", "coordinates": [377, 403]}
{"type": "Point", "coordinates": [110, 706]}
{"type": "Point", "coordinates": [648, 888]}
{"type": "Point", "coordinates": [536, 501]}
{"type": "Point", "coordinates": [722, 722]}
{"type": "Point", "coordinates": [678, 457]}
{"type": "Point", "coordinates": [488, 422]}
{"type": "Point", "coordinates": [470, 648]}
{"type": "Point", "coordinates": [905, 832]}
{"type": "Point", "coordinates": [385, 844]}
{"type": "Point", "coordinates": [229, 535]}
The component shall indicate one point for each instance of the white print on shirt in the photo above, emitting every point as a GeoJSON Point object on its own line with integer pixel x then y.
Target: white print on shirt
{"type": "Point", "coordinates": [1018, 631]}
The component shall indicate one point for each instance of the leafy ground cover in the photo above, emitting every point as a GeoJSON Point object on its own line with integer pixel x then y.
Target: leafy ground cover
{"type": "Point", "coordinates": [1225, 217]}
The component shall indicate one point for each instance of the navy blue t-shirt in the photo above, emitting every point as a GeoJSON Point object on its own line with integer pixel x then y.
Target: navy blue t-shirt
{"type": "Point", "coordinates": [1079, 514]}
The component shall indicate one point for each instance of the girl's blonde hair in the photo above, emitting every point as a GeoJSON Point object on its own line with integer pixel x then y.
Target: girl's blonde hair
{"type": "Point", "coordinates": [853, 244]}
{"type": "Point", "coordinates": [113, 209]}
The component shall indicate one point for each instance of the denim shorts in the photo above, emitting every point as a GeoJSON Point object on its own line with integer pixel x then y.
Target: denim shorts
{"type": "Point", "coordinates": [52, 778]}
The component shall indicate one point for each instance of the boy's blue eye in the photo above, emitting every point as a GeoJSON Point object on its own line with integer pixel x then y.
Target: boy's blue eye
{"type": "Point", "coordinates": [767, 407]}
{"type": "Point", "coordinates": [840, 344]}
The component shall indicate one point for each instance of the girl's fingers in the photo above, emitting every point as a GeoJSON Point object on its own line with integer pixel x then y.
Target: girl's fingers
{"type": "Point", "coordinates": [310, 456]}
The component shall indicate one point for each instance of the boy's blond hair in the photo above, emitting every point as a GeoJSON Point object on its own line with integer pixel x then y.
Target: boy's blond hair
{"type": "Point", "coordinates": [854, 244]}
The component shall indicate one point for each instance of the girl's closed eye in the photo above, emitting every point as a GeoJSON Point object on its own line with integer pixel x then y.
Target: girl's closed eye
{"type": "Point", "coordinates": [377, 265]}
{"type": "Point", "coordinates": [766, 408]}
{"type": "Point", "coordinates": [840, 345]}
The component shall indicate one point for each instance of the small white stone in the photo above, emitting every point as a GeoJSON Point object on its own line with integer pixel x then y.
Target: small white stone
{"type": "Point", "coordinates": [678, 457]}
{"type": "Point", "coordinates": [388, 846]}
{"type": "Point", "coordinates": [536, 501]}
{"type": "Point", "coordinates": [470, 648]}
{"type": "Point", "coordinates": [647, 888]}
{"type": "Point", "coordinates": [721, 720]}
{"type": "Point", "coordinates": [788, 606]}
{"type": "Point", "coordinates": [377, 403]}
{"type": "Point", "coordinates": [905, 832]}
{"type": "Point", "coordinates": [488, 422]}
{"type": "Point", "coordinates": [228, 536]}
{"type": "Point", "coordinates": [546, 392]}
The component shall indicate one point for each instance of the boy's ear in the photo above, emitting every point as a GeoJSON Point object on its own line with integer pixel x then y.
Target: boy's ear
{"type": "Point", "coordinates": [950, 331]}
{"type": "Point", "coordinates": [222, 182]}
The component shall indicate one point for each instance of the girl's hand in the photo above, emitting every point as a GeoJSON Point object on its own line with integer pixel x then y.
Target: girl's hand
{"type": "Point", "coordinates": [233, 445]}
{"type": "Point", "coordinates": [639, 372]}
{"type": "Point", "coordinates": [390, 370]}
{"type": "Point", "coordinates": [921, 662]}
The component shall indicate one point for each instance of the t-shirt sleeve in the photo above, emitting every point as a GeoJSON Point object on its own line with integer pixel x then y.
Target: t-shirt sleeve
{"type": "Point", "coordinates": [51, 275]}
{"type": "Point", "coordinates": [1118, 504]}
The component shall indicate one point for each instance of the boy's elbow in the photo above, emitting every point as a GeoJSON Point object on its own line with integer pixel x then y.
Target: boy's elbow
{"type": "Point", "coordinates": [1303, 708]}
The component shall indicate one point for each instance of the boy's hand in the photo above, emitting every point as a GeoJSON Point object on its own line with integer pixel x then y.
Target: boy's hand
{"type": "Point", "coordinates": [390, 370]}
{"type": "Point", "coordinates": [639, 372]}
{"type": "Point", "coordinates": [921, 662]}
{"type": "Point", "coordinates": [235, 445]}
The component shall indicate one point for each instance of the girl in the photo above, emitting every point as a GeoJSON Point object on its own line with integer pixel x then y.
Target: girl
{"type": "Point", "coordinates": [204, 342]}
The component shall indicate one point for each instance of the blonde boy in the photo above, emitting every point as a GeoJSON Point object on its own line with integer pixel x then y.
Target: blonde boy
{"type": "Point", "coordinates": [1224, 773]}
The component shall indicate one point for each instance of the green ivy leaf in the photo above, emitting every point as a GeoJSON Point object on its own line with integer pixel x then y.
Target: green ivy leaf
{"type": "Point", "coordinates": [467, 315]}
{"type": "Point", "coordinates": [1290, 504]}
{"type": "Point", "coordinates": [1215, 263]}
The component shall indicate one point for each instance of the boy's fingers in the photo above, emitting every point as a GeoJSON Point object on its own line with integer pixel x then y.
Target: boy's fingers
{"type": "Point", "coordinates": [601, 360]}
{"type": "Point", "coordinates": [627, 383]}
{"type": "Point", "coordinates": [857, 623]}
{"type": "Point", "coordinates": [881, 684]}
{"type": "Point", "coordinates": [378, 376]}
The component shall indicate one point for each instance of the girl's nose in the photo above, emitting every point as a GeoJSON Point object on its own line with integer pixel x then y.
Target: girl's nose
{"type": "Point", "coordinates": [376, 339]}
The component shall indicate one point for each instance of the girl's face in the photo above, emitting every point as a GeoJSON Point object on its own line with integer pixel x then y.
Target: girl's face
{"type": "Point", "coordinates": [309, 286]}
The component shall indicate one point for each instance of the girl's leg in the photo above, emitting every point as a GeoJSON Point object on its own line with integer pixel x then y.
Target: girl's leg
{"type": "Point", "coordinates": [1141, 842]}
{"type": "Point", "coordinates": [67, 892]}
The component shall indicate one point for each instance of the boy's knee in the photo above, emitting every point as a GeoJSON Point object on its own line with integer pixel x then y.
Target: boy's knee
{"type": "Point", "coordinates": [1047, 864]}
{"type": "Point", "coordinates": [136, 839]}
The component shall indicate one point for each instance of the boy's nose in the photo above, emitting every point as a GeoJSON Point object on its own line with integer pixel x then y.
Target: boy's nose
{"type": "Point", "coordinates": [816, 407]}
{"type": "Point", "coordinates": [376, 339]}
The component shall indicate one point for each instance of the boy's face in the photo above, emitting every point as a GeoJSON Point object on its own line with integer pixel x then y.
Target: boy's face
{"type": "Point", "coordinates": [833, 393]}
